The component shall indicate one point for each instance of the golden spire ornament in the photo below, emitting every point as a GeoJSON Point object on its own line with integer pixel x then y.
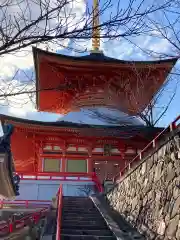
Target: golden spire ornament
{"type": "Point", "coordinates": [96, 29]}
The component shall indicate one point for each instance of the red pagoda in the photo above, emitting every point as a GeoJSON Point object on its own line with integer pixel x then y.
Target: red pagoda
{"type": "Point", "coordinates": [65, 84]}
{"type": "Point", "coordinates": [93, 80]}
{"type": "Point", "coordinates": [55, 162]}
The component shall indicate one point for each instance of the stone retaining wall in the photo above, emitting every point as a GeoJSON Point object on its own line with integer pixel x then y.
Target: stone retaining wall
{"type": "Point", "coordinates": [149, 197]}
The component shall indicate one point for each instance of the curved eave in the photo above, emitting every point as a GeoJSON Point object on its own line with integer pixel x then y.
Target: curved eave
{"type": "Point", "coordinates": [96, 57]}
{"type": "Point", "coordinates": [123, 132]}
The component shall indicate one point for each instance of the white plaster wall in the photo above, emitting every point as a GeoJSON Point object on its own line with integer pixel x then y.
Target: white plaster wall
{"type": "Point", "coordinates": [28, 191]}
{"type": "Point", "coordinates": [46, 190]}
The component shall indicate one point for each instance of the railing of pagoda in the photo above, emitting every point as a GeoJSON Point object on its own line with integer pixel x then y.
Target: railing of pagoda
{"type": "Point", "coordinates": [152, 145]}
{"type": "Point", "coordinates": [24, 203]}
{"type": "Point", "coordinates": [62, 176]}
{"type": "Point", "coordinates": [33, 218]}
{"type": "Point", "coordinates": [59, 212]}
{"type": "Point", "coordinates": [27, 220]}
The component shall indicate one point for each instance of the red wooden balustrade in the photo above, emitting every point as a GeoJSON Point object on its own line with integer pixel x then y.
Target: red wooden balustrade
{"type": "Point", "coordinates": [59, 212]}
{"type": "Point", "coordinates": [151, 145]}
{"type": "Point", "coordinates": [62, 176]}
{"type": "Point", "coordinates": [25, 203]}
{"type": "Point", "coordinates": [11, 226]}
{"type": "Point", "coordinates": [34, 217]}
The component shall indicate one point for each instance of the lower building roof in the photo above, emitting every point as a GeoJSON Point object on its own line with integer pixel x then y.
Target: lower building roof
{"type": "Point", "coordinates": [123, 132]}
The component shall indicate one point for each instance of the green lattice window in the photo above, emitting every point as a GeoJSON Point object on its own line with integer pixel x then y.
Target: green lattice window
{"type": "Point", "coordinates": [76, 166]}
{"type": "Point", "coordinates": [52, 165]}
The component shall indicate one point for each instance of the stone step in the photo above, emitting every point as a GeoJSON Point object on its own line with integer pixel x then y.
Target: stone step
{"type": "Point", "coordinates": [82, 237]}
{"type": "Point", "coordinates": [87, 232]}
{"type": "Point", "coordinates": [83, 212]}
{"type": "Point", "coordinates": [84, 222]}
{"type": "Point", "coordinates": [80, 206]}
{"type": "Point", "coordinates": [83, 201]}
{"type": "Point", "coordinates": [85, 227]}
{"type": "Point", "coordinates": [82, 217]}
{"type": "Point", "coordinates": [77, 209]}
{"type": "Point", "coordinates": [77, 202]}
{"type": "Point", "coordinates": [80, 200]}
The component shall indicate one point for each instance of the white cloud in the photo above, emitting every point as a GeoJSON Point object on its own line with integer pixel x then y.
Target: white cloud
{"type": "Point", "coordinates": [10, 63]}
{"type": "Point", "coordinates": [161, 46]}
{"type": "Point", "coordinates": [21, 105]}
{"type": "Point", "coordinates": [22, 59]}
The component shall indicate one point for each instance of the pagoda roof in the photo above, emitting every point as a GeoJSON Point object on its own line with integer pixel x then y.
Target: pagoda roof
{"type": "Point", "coordinates": [98, 57]}
{"type": "Point", "coordinates": [123, 132]}
{"type": "Point", "coordinates": [96, 80]}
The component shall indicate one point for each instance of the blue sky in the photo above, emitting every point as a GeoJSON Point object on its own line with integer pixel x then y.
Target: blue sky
{"type": "Point", "coordinates": [23, 106]}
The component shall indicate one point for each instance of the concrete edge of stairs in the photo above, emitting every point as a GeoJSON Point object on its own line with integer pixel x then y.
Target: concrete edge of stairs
{"type": "Point", "coordinates": [109, 221]}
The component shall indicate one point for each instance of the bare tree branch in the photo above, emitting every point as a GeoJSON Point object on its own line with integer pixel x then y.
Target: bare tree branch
{"type": "Point", "coordinates": [43, 21]}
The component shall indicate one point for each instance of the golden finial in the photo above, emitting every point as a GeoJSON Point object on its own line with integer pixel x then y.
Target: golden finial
{"type": "Point", "coordinates": [96, 30]}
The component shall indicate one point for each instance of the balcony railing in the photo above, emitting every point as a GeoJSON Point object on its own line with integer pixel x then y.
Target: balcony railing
{"type": "Point", "coordinates": [25, 203]}
{"type": "Point", "coordinates": [15, 225]}
{"type": "Point", "coordinates": [62, 176]}
{"type": "Point", "coordinates": [11, 226]}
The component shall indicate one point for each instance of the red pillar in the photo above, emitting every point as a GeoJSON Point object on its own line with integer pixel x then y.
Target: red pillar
{"type": "Point", "coordinates": [90, 161]}
{"type": "Point", "coordinates": [63, 159]}
{"type": "Point", "coordinates": [90, 165]}
{"type": "Point", "coordinates": [63, 163]}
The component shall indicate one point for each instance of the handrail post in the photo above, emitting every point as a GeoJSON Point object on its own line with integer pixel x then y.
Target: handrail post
{"type": "Point", "coordinates": [59, 212]}
{"type": "Point", "coordinates": [11, 225]}
{"type": "Point", "coordinates": [129, 166]}
{"type": "Point", "coordinates": [27, 203]}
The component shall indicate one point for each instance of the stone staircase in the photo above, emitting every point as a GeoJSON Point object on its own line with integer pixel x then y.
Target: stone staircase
{"type": "Point", "coordinates": [81, 220]}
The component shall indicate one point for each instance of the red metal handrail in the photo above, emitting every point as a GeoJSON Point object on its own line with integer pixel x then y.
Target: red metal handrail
{"type": "Point", "coordinates": [11, 226]}
{"type": "Point", "coordinates": [59, 212]}
{"type": "Point", "coordinates": [24, 221]}
{"type": "Point", "coordinates": [26, 203]}
{"type": "Point", "coordinates": [151, 145]}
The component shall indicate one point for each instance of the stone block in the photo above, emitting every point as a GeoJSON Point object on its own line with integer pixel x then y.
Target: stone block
{"type": "Point", "coordinates": [176, 207]}
{"type": "Point", "coordinates": [143, 169]}
{"type": "Point", "coordinates": [161, 228]}
{"type": "Point", "coordinates": [176, 192]}
{"type": "Point", "coordinates": [170, 172]}
{"type": "Point", "coordinates": [178, 232]}
{"type": "Point", "coordinates": [172, 227]}
{"type": "Point", "coordinates": [150, 163]}
{"type": "Point", "coordinates": [158, 170]}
